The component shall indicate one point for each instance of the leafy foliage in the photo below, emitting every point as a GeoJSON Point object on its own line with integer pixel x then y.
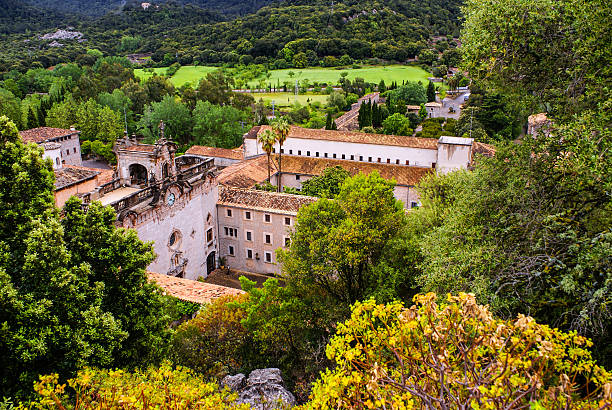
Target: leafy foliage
{"type": "Point", "coordinates": [326, 185]}
{"type": "Point", "coordinates": [164, 387]}
{"type": "Point", "coordinates": [456, 355]}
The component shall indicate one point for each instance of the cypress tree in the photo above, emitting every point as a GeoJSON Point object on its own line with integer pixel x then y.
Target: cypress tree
{"type": "Point", "coordinates": [382, 87]}
{"type": "Point", "coordinates": [431, 92]}
{"type": "Point", "coordinates": [32, 121]}
{"type": "Point", "coordinates": [369, 114]}
{"type": "Point", "coordinates": [333, 125]}
{"type": "Point", "coordinates": [328, 121]}
{"type": "Point", "coordinates": [361, 115]}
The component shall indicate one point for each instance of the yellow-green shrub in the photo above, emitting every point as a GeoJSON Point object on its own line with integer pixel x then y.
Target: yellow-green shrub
{"type": "Point", "coordinates": [456, 355]}
{"type": "Point", "coordinates": [157, 388]}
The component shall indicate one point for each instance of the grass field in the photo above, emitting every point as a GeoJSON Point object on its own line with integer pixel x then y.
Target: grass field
{"type": "Point", "coordinates": [373, 74]}
{"type": "Point", "coordinates": [288, 99]}
{"type": "Point", "coordinates": [186, 74]}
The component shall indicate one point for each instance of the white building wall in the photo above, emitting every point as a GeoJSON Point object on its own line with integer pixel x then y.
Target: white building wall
{"type": "Point", "coordinates": [360, 152]}
{"type": "Point", "coordinates": [71, 149]}
{"type": "Point", "coordinates": [453, 156]}
{"type": "Point", "coordinates": [55, 156]}
{"type": "Point", "coordinates": [188, 216]}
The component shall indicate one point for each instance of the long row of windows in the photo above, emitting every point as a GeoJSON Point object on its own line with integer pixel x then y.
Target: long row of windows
{"type": "Point", "coordinates": [381, 160]}
{"type": "Point", "coordinates": [248, 235]}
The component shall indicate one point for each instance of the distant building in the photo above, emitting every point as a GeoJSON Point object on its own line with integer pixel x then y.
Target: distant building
{"type": "Point", "coordinates": [223, 157]}
{"type": "Point", "coordinates": [68, 140]}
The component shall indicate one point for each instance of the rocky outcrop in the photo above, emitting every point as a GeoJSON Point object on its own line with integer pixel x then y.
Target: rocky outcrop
{"type": "Point", "coordinates": [61, 34]}
{"type": "Point", "coordinates": [263, 389]}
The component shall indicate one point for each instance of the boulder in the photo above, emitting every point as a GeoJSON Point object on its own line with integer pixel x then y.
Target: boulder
{"type": "Point", "coordinates": [263, 389]}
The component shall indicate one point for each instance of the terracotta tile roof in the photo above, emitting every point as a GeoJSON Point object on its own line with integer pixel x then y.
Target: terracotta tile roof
{"type": "Point", "coordinates": [235, 153]}
{"type": "Point", "coordinates": [483, 149]}
{"type": "Point", "coordinates": [68, 176]}
{"type": "Point", "coordinates": [191, 290]}
{"type": "Point", "coordinates": [245, 174]}
{"type": "Point", "coordinates": [140, 148]}
{"type": "Point", "coordinates": [263, 200]}
{"type": "Point", "coordinates": [357, 137]}
{"type": "Point", "coordinates": [403, 175]}
{"type": "Point", "coordinates": [42, 134]}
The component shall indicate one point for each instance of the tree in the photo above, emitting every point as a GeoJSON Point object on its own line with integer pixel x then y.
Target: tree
{"type": "Point", "coordinates": [328, 121]}
{"type": "Point", "coordinates": [456, 355]}
{"type": "Point", "coordinates": [216, 88]}
{"type": "Point", "coordinates": [52, 315]}
{"type": "Point", "coordinates": [553, 262]}
{"type": "Point", "coordinates": [397, 124]}
{"type": "Point", "coordinates": [337, 245]}
{"type": "Point", "coordinates": [10, 106]}
{"type": "Point", "coordinates": [174, 114]}
{"type": "Point", "coordinates": [411, 93]}
{"type": "Point", "coordinates": [267, 139]}
{"type": "Point", "coordinates": [336, 100]}
{"type": "Point", "coordinates": [570, 69]}
{"type": "Point", "coordinates": [422, 112]}
{"type": "Point", "coordinates": [431, 92]}
{"type": "Point", "coordinates": [281, 128]}
{"type": "Point", "coordinates": [156, 88]}
{"type": "Point", "coordinates": [326, 185]}
{"type": "Point", "coordinates": [217, 126]}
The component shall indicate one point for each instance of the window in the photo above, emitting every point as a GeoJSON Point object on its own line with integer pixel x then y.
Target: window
{"type": "Point", "coordinates": [369, 159]}
{"type": "Point", "coordinates": [249, 253]}
{"type": "Point", "coordinates": [267, 218]}
{"type": "Point", "coordinates": [297, 177]}
{"type": "Point", "coordinates": [287, 241]}
{"type": "Point", "coordinates": [361, 158]}
{"type": "Point", "coordinates": [407, 162]}
{"type": "Point", "coordinates": [307, 153]}
{"type": "Point", "coordinates": [287, 221]}
{"type": "Point", "coordinates": [231, 232]}
{"type": "Point", "coordinates": [74, 150]}
{"type": "Point", "coordinates": [317, 154]}
{"type": "Point", "coordinates": [268, 257]}
{"type": "Point", "coordinates": [229, 213]}
{"type": "Point", "coordinates": [352, 158]}
{"type": "Point", "coordinates": [273, 149]}
{"type": "Point", "coordinates": [230, 250]}
{"type": "Point", "coordinates": [268, 238]}
{"type": "Point", "coordinates": [388, 160]}
{"type": "Point", "coordinates": [67, 152]}
{"type": "Point", "coordinates": [397, 161]}
{"type": "Point", "coordinates": [226, 230]}
{"type": "Point", "coordinates": [291, 152]}
{"type": "Point", "coordinates": [433, 164]}
{"type": "Point", "coordinates": [57, 161]}
{"type": "Point", "coordinates": [379, 159]}
{"type": "Point", "coordinates": [299, 152]}
{"type": "Point", "coordinates": [249, 235]}
{"type": "Point", "coordinates": [282, 151]}
{"type": "Point", "coordinates": [325, 155]}
{"type": "Point", "coordinates": [414, 204]}
{"type": "Point", "coordinates": [247, 215]}
{"type": "Point", "coordinates": [209, 235]}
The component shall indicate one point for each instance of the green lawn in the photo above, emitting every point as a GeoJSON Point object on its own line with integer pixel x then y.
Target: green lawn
{"type": "Point", "coordinates": [288, 99]}
{"type": "Point", "coordinates": [185, 74]}
{"type": "Point", "coordinates": [373, 74]}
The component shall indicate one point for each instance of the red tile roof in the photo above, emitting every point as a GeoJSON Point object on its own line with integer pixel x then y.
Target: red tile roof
{"type": "Point", "coordinates": [402, 174]}
{"type": "Point", "coordinates": [42, 134]}
{"type": "Point", "coordinates": [235, 153]}
{"type": "Point", "coordinates": [355, 137]}
{"type": "Point", "coordinates": [191, 290]}
{"type": "Point", "coordinates": [262, 200]}
{"type": "Point", "coordinates": [245, 174]}
{"type": "Point", "coordinates": [68, 176]}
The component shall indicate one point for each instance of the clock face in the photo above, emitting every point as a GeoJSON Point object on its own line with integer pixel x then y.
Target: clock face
{"type": "Point", "coordinates": [170, 199]}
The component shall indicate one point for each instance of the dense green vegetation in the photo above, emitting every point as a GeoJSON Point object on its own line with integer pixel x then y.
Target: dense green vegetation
{"type": "Point", "coordinates": [288, 34]}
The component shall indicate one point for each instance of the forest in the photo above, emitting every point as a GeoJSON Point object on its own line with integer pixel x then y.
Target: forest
{"type": "Point", "coordinates": [282, 35]}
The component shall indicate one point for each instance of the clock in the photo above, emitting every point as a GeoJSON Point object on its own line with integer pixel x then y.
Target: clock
{"type": "Point", "coordinates": [170, 198]}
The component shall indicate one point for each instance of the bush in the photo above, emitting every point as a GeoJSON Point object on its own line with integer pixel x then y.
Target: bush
{"type": "Point", "coordinates": [456, 355]}
{"type": "Point", "coordinates": [162, 387]}
{"type": "Point", "coordinates": [214, 342]}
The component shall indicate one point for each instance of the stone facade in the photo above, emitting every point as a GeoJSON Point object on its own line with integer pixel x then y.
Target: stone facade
{"type": "Point", "coordinates": [68, 140]}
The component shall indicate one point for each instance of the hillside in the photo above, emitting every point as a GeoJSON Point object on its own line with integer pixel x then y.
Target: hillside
{"type": "Point", "coordinates": [293, 33]}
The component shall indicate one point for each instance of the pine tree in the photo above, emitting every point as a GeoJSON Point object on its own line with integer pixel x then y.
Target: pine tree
{"type": "Point", "coordinates": [382, 87]}
{"type": "Point", "coordinates": [361, 116]}
{"type": "Point", "coordinates": [431, 92]}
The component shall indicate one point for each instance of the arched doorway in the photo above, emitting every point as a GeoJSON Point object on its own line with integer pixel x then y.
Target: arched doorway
{"type": "Point", "coordinates": [211, 263]}
{"type": "Point", "coordinates": [138, 174]}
